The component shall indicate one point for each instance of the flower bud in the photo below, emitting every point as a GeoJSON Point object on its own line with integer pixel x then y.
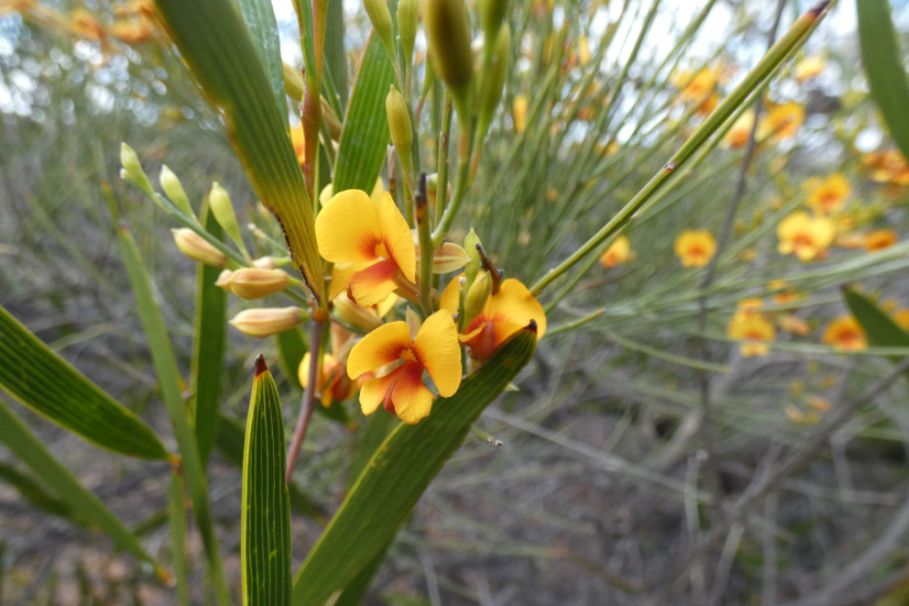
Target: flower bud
{"type": "Point", "coordinates": [448, 36]}
{"type": "Point", "coordinates": [476, 296]}
{"type": "Point", "coordinates": [171, 185]}
{"type": "Point", "coordinates": [267, 321]}
{"type": "Point", "coordinates": [493, 79]}
{"type": "Point", "coordinates": [492, 13]}
{"type": "Point", "coordinates": [470, 247]}
{"type": "Point", "coordinates": [519, 113]}
{"type": "Point", "coordinates": [449, 257]}
{"type": "Point", "coordinates": [408, 15]}
{"type": "Point", "coordinates": [381, 22]}
{"type": "Point", "coordinates": [223, 209]}
{"type": "Point", "coordinates": [364, 318]}
{"type": "Point", "coordinates": [267, 262]}
{"type": "Point", "coordinates": [131, 170]}
{"type": "Point", "coordinates": [253, 283]}
{"type": "Point", "coordinates": [196, 248]}
{"type": "Point", "coordinates": [399, 122]}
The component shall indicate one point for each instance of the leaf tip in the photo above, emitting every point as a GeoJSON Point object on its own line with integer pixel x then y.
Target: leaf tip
{"type": "Point", "coordinates": [261, 366]}
{"type": "Point", "coordinates": [531, 326]}
{"type": "Point", "coordinates": [819, 9]}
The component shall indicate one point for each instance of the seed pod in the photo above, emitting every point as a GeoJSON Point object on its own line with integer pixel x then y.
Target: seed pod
{"type": "Point", "coordinates": [171, 185]}
{"type": "Point", "coordinates": [381, 22]}
{"type": "Point", "coordinates": [253, 282]}
{"type": "Point", "coordinates": [267, 321]}
{"type": "Point", "coordinates": [399, 122]}
{"type": "Point", "coordinates": [408, 15]}
{"type": "Point", "coordinates": [196, 248]}
{"type": "Point", "coordinates": [476, 296]}
{"type": "Point", "coordinates": [448, 35]}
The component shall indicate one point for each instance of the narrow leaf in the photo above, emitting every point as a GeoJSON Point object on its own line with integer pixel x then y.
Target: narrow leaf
{"type": "Point", "coordinates": [217, 46]}
{"type": "Point", "coordinates": [32, 491]}
{"type": "Point", "coordinates": [365, 136]}
{"type": "Point", "coordinates": [263, 29]}
{"type": "Point", "coordinates": [884, 67]}
{"type": "Point", "coordinates": [176, 518]}
{"type": "Point", "coordinates": [209, 344]}
{"type": "Point", "coordinates": [398, 473]}
{"type": "Point", "coordinates": [165, 364]}
{"type": "Point", "coordinates": [265, 513]}
{"type": "Point", "coordinates": [47, 384]}
{"type": "Point", "coordinates": [30, 450]}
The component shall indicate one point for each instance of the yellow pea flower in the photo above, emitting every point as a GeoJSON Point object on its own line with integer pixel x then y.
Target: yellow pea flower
{"type": "Point", "coordinates": [829, 195]}
{"type": "Point", "coordinates": [738, 134]}
{"type": "Point", "coordinates": [392, 364]}
{"type": "Point", "coordinates": [695, 247]}
{"type": "Point", "coordinates": [370, 243]}
{"type": "Point", "coordinates": [809, 67]}
{"type": "Point", "coordinates": [845, 334]}
{"type": "Point", "coordinates": [505, 312]}
{"type": "Point", "coordinates": [754, 330]}
{"type": "Point", "coordinates": [782, 121]}
{"type": "Point", "coordinates": [332, 383]}
{"type": "Point", "coordinates": [298, 138]}
{"type": "Point", "coordinates": [618, 253]}
{"type": "Point", "coordinates": [880, 239]}
{"type": "Point", "coordinates": [805, 236]}
{"type": "Point", "coordinates": [901, 317]}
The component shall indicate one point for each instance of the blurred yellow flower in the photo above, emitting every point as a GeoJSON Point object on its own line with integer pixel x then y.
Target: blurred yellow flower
{"type": "Point", "coordinates": [696, 86]}
{"type": "Point", "coordinates": [754, 330]}
{"type": "Point", "coordinates": [809, 67]}
{"type": "Point", "coordinates": [887, 167]}
{"type": "Point", "coordinates": [829, 195]}
{"type": "Point", "coordinates": [793, 324]}
{"type": "Point", "coordinates": [880, 239]}
{"type": "Point", "coordinates": [845, 334]}
{"type": "Point", "coordinates": [332, 383]}
{"type": "Point", "coordinates": [738, 135]}
{"type": "Point", "coordinates": [782, 121]}
{"type": "Point", "coordinates": [783, 292]}
{"type": "Point", "coordinates": [805, 236]}
{"type": "Point", "coordinates": [85, 25]}
{"type": "Point", "coordinates": [298, 138]}
{"type": "Point", "coordinates": [901, 317]}
{"type": "Point", "coordinates": [583, 50]}
{"type": "Point", "coordinates": [618, 253]}
{"type": "Point", "coordinates": [519, 113]}
{"type": "Point", "coordinates": [391, 363]}
{"type": "Point", "coordinates": [695, 247]}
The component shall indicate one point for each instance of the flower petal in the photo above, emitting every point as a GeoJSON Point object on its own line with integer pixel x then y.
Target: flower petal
{"type": "Point", "coordinates": [451, 296]}
{"type": "Point", "coordinates": [347, 228]}
{"type": "Point", "coordinates": [515, 302]}
{"type": "Point", "coordinates": [340, 278]}
{"type": "Point", "coordinates": [373, 392]}
{"type": "Point", "coordinates": [377, 349]}
{"type": "Point", "coordinates": [410, 397]}
{"type": "Point", "coordinates": [396, 236]}
{"type": "Point", "coordinates": [372, 285]}
{"type": "Point", "coordinates": [436, 345]}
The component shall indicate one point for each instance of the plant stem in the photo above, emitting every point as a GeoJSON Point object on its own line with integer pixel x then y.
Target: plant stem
{"type": "Point", "coordinates": [427, 250]}
{"type": "Point", "coordinates": [316, 331]}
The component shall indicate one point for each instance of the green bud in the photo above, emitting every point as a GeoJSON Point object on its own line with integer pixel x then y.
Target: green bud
{"type": "Point", "coordinates": [381, 22]}
{"type": "Point", "coordinates": [492, 13]}
{"type": "Point", "coordinates": [132, 169]}
{"type": "Point", "coordinates": [399, 122]}
{"type": "Point", "coordinates": [470, 246]}
{"type": "Point", "coordinates": [223, 209]}
{"type": "Point", "coordinates": [476, 297]}
{"type": "Point", "coordinates": [408, 15]}
{"type": "Point", "coordinates": [171, 185]}
{"type": "Point", "coordinates": [493, 79]}
{"type": "Point", "coordinates": [448, 35]}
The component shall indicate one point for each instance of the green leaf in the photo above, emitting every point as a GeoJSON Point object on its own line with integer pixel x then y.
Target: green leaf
{"type": "Point", "coordinates": [398, 473]}
{"type": "Point", "coordinates": [880, 329]}
{"type": "Point", "coordinates": [30, 450]}
{"type": "Point", "coordinates": [265, 511]}
{"type": "Point", "coordinates": [209, 344]}
{"type": "Point", "coordinates": [263, 29]}
{"type": "Point", "coordinates": [217, 46]}
{"type": "Point", "coordinates": [364, 139]}
{"type": "Point", "coordinates": [165, 364]}
{"type": "Point", "coordinates": [230, 443]}
{"type": "Point", "coordinates": [335, 57]}
{"type": "Point", "coordinates": [47, 384]}
{"type": "Point", "coordinates": [36, 494]}
{"type": "Point", "coordinates": [884, 68]}
{"type": "Point", "coordinates": [176, 518]}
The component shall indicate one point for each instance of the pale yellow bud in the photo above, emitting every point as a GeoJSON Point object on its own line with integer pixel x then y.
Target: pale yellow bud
{"type": "Point", "coordinates": [131, 170]}
{"type": "Point", "coordinates": [471, 240]}
{"type": "Point", "coordinates": [448, 34]}
{"type": "Point", "coordinates": [398, 121]}
{"type": "Point", "coordinates": [476, 296]}
{"type": "Point", "coordinates": [408, 15]}
{"type": "Point", "coordinates": [223, 209]}
{"type": "Point", "coordinates": [381, 21]}
{"type": "Point", "coordinates": [196, 248]}
{"type": "Point", "coordinates": [253, 283]}
{"type": "Point", "coordinates": [267, 321]}
{"type": "Point", "coordinates": [171, 185]}
{"type": "Point", "coordinates": [449, 257]}
{"type": "Point", "coordinates": [364, 318]}
{"type": "Point", "coordinates": [519, 113]}
{"type": "Point", "coordinates": [267, 262]}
